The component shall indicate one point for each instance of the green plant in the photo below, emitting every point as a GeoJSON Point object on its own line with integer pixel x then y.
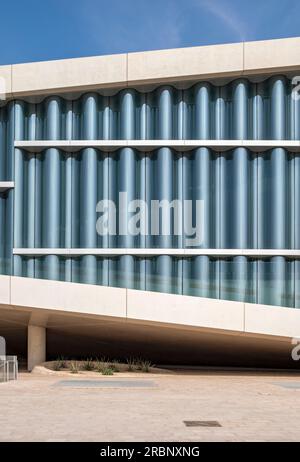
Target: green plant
{"type": "Point", "coordinates": [88, 365]}
{"type": "Point", "coordinates": [114, 366]}
{"type": "Point", "coordinates": [101, 364]}
{"type": "Point", "coordinates": [130, 364]}
{"type": "Point", "coordinates": [59, 364]}
{"type": "Point", "coordinates": [145, 365]}
{"type": "Point", "coordinates": [56, 366]}
{"type": "Point", "coordinates": [74, 367]}
{"type": "Point", "coordinates": [107, 371]}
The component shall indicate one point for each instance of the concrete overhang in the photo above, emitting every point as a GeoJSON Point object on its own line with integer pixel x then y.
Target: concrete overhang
{"type": "Point", "coordinates": [141, 69]}
{"type": "Point", "coordinates": [117, 315]}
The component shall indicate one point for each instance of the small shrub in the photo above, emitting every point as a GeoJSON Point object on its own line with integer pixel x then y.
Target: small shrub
{"type": "Point", "coordinates": [56, 366]}
{"type": "Point", "coordinates": [114, 366]}
{"type": "Point", "coordinates": [59, 364]}
{"type": "Point", "coordinates": [130, 364]}
{"type": "Point", "coordinates": [74, 367]}
{"type": "Point", "coordinates": [88, 365]}
{"type": "Point", "coordinates": [145, 365]}
{"type": "Point", "coordinates": [107, 371]}
{"type": "Point", "coordinates": [101, 364]}
{"type": "Point", "coordinates": [138, 364]}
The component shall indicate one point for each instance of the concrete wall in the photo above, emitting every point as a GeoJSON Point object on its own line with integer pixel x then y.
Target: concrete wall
{"type": "Point", "coordinates": [153, 67]}
{"type": "Point", "coordinates": [150, 307]}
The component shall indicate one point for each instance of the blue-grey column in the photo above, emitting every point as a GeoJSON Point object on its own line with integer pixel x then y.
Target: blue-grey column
{"type": "Point", "coordinates": [201, 276]}
{"type": "Point", "coordinates": [220, 119]}
{"type": "Point", "coordinates": [31, 190]}
{"type": "Point", "coordinates": [3, 122]}
{"type": "Point", "coordinates": [164, 182]}
{"type": "Point", "coordinates": [10, 156]}
{"type": "Point", "coordinates": [127, 182]}
{"type": "Point", "coordinates": [202, 111]}
{"type": "Point", "coordinates": [181, 116]}
{"type": "Point", "coordinates": [142, 135]}
{"type": "Point", "coordinates": [2, 233]}
{"type": "Point", "coordinates": [19, 185]}
{"type": "Point", "coordinates": [278, 108]}
{"type": "Point", "coordinates": [202, 163]}
{"type": "Point", "coordinates": [272, 281]}
{"type": "Point", "coordinates": [278, 164]}
{"type": "Point", "coordinates": [52, 188]}
{"type": "Point", "coordinates": [241, 160]}
{"type": "Point", "coordinates": [259, 132]}
{"type": "Point", "coordinates": [297, 202]}
{"type": "Point", "coordinates": [40, 133]}
{"type": "Point", "coordinates": [220, 132]}
{"type": "Point", "coordinates": [67, 238]}
{"type": "Point", "coordinates": [295, 134]}
{"type": "Point", "coordinates": [88, 237]}
{"type": "Point", "coordinates": [257, 122]}
{"type": "Point", "coordinates": [297, 283]}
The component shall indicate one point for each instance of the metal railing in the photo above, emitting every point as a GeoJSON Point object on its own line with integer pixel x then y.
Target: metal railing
{"type": "Point", "coordinates": [8, 368]}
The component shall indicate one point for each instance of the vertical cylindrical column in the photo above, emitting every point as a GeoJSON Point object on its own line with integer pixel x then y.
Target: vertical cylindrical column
{"type": "Point", "coordinates": [3, 122]}
{"type": "Point", "coordinates": [279, 205]}
{"type": "Point", "coordinates": [241, 181]}
{"type": "Point", "coordinates": [19, 187]}
{"type": "Point", "coordinates": [181, 116]}
{"type": "Point", "coordinates": [278, 108]}
{"type": "Point", "coordinates": [203, 190]}
{"type": "Point", "coordinates": [2, 232]}
{"type": "Point", "coordinates": [126, 186]}
{"type": "Point", "coordinates": [297, 283]}
{"type": "Point", "coordinates": [220, 113]}
{"type": "Point", "coordinates": [272, 282]}
{"type": "Point", "coordinates": [201, 276]}
{"type": "Point", "coordinates": [258, 122]}
{"type": "Point", "coordinates": [165, 113]}
{"type": "Point", "coordinates": [127, 115]}
{"type": "Point", "coordinates": [52, 188]}
{"type": "Point", "coordinates": [88, 235]}
{"type": "Point", "coordinates": [202, 111]}
{"type": "Point", "coordinates": [143, 117]}
{"type": "Point", "coordinates": [297, 202]}
{"type": "Point", "coordinates": [68, 191]}
{"type": "Point", "coordinates": [31, 192]}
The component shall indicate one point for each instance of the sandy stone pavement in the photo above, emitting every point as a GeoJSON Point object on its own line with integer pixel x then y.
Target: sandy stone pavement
{"type": "Point", "coordinates": [249, 407]}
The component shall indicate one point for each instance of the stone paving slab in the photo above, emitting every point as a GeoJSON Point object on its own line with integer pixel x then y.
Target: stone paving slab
{"type": "Point", "coordinates": [248, 408]}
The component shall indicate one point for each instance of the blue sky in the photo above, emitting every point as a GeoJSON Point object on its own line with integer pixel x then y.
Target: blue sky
{"type": "Point", "coordinates": [35, 30]}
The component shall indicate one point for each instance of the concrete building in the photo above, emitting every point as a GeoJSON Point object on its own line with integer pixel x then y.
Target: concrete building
{"type": "Point", "coordinates": [214, 125]}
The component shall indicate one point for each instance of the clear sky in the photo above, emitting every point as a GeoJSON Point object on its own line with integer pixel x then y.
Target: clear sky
{"type": "Point", "coordinates": [35, 30]}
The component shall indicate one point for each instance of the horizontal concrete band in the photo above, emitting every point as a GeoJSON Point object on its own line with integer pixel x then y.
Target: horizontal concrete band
{"type": "Point", "coordinates": [152, 67]}
{"type": "Point", "coordinates": [149, 145]}
{"type": "Point", "coordinates": [153, 307]}
{"type": "Point", "coordinates": [5, 185]}
{"type": "Point", "coordinates": [68, 252]}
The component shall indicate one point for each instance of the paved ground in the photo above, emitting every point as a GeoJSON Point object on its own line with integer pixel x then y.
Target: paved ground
{"type": "Point", "coordinates": [250, 407]}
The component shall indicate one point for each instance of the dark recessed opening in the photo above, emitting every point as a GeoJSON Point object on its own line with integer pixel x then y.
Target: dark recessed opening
{"type": "Point", "coordinates": [202, 423]}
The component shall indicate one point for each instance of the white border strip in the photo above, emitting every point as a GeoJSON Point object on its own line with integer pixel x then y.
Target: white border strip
{"type": "Point", "coordinates": [157, 251]}
{"type": "Point", "coordinates": [149, 145]}
{"type": "Point", "coordinates": [5, 185]}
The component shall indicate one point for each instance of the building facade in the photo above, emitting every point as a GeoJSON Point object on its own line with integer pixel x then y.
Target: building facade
{"type": "Point", "coordinates": [228, 140]}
